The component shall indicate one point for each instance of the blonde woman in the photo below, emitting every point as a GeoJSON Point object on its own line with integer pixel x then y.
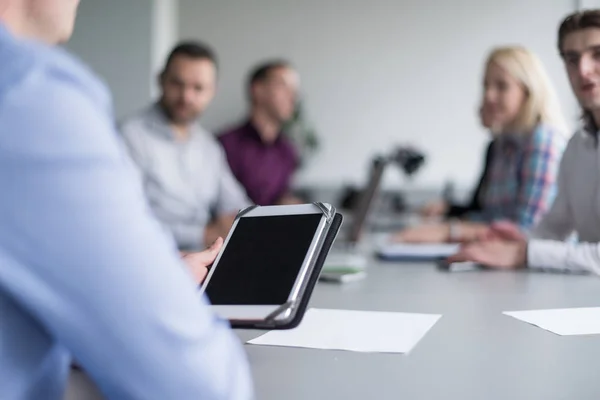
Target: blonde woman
{"type": "Point", "coordinates": [520, 108]}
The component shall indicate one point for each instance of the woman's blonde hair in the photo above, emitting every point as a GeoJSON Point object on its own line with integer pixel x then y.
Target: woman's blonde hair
{"type": "Point", "coordinates": [541, 103]}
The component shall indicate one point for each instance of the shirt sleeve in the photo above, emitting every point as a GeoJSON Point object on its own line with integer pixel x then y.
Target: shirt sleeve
{"type": "Point", "coordinates": [232, 196]}
{"type": "Point", "coordinates": [82, 254]}
{"type": "Point", "coordinates": [553, 255]}
{"type": "Point", "coordinates": [261, 196]}
{"type": "Point", "coordinates": [286, 188]}
{"type": "Point", "coordinates": [257, 192]}
{"type": "Point", "coordinates": [557, 224]}
{"type": "Point", "coordinates": [188, 236]}
{"type": "Point", "coordinates": [538, 173]}
{"type": "Point", "coordinates": [136, 149]}
{"type": "Point", "coordinates": [547, 248]}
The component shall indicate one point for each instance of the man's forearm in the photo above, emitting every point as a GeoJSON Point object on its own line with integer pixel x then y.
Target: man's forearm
{"type": "Point", "coordinates": [467, 231]}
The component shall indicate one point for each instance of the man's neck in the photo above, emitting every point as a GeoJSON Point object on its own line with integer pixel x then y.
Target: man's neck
{"type": "Point", "coordinates": [268, 128]}
{"type": "Point", "coordinates": [181, 131]}
{"type": "Point", "coordinates": [14, 20]}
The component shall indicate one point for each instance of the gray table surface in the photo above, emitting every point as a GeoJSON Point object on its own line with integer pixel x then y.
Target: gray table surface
{"type": "Point", "coordinates": [473, 352]}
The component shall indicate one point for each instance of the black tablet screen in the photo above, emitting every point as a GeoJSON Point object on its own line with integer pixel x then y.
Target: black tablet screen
{"type": "Point", "coordinates": [262, 260]}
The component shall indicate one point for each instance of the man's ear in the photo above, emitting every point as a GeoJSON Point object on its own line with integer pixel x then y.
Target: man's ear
{"type": "Point", "coordinates": [255, 92]}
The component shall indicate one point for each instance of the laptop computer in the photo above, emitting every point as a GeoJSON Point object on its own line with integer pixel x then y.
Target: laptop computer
{"type": "Point", "coordinates": [345, 252]}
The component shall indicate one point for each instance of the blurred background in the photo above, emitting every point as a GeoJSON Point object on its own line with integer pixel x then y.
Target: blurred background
{"type": "Point", "coordinates": [374, 73]}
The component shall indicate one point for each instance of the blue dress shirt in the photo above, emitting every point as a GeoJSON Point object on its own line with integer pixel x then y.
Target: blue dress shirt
{"type": "Point", "coordinates": [85, 270]}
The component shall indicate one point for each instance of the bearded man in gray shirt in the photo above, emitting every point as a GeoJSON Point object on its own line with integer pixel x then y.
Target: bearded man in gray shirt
{"type": "Point", "coordinates": [187, 179]}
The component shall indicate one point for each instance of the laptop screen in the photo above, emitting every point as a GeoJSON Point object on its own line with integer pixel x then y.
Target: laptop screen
{"type": "Point", "coordinates": [365, 202]}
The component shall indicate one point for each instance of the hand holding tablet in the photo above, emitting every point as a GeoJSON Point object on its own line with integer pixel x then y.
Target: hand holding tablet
{"type": "Point", "coordinates": [269, 263]}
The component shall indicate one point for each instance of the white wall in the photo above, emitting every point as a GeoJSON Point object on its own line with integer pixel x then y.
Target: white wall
{"type": "Point", "coordinates": [378, 72]}
{"type": "Point", "coordinates": [165, 32]}
{"type": "Point", "coordinates": [585, 4]}
{"type": "Point", "coordinates": [115, 37]}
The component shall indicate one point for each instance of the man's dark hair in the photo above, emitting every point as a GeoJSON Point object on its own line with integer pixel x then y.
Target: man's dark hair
{"type": "Point", "coordinates": [192, 49]}
{"type": "Point", "coordinates": [573, 23]}
{"type": "Point", "coordinates": [261, 72]}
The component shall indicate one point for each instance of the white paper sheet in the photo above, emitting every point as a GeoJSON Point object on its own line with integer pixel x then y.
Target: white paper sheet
{"type": "Point", "coordinates": [362, 331]}
{"type": "Point", "coordinates": [564, 321]}
{"type": "Point", "coordinates": [418, 250]}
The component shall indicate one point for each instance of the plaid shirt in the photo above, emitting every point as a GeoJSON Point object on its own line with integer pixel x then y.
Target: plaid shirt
{"type": "Point", "coordinates": [521, 183]}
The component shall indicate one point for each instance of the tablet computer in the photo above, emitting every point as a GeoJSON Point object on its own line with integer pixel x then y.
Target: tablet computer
{"type": "Point", "coordinates": [266, 262]}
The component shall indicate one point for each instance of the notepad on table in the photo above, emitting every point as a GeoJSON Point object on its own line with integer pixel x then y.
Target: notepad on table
{"type": "Point", "coordinates": [416, 251]}
{"type": "Point", "coordinates": [360, 331]}
{"type": "Point", "coordinates": [345, 261]}
{"type": "Point", "coordinates": [562, 321]}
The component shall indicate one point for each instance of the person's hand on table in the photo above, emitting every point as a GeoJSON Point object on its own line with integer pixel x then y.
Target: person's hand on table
{"type": "Point", "coordinates": [441, 233]}
{"type": "Point", "coordinates": [434, 209]}
{"type": "Point", "coordinates": [289, 200]}
{"type": "Point", "coordinates": [199, 262]}
{"type": "Point", "coordinates": [503, 230]}
{"type": "Point", "coordinates": [471, 232]}
{"type": "Point", "coordinates": [498, 254]}
{"type": "Point", "coordinates": [427, 233]}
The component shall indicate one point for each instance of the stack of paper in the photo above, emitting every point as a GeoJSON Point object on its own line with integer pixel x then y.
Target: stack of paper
{"type": "Point", "coordinates": [362, 331]}
{"type": "Point", "coordinates": [409, 251]}
{"type": "Point", "coordinates": [563, 321]}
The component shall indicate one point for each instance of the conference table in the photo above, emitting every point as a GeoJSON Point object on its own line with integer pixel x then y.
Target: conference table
{"type": "Point", "coordinates": [472, 352]}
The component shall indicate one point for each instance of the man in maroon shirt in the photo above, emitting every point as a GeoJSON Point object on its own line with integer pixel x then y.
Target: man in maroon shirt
{"type": "Point", "coordinates": [261, 157]}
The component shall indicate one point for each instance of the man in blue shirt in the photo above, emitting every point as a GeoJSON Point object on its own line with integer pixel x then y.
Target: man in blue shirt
{"type": "Point", "coordinates": [85, 271]}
